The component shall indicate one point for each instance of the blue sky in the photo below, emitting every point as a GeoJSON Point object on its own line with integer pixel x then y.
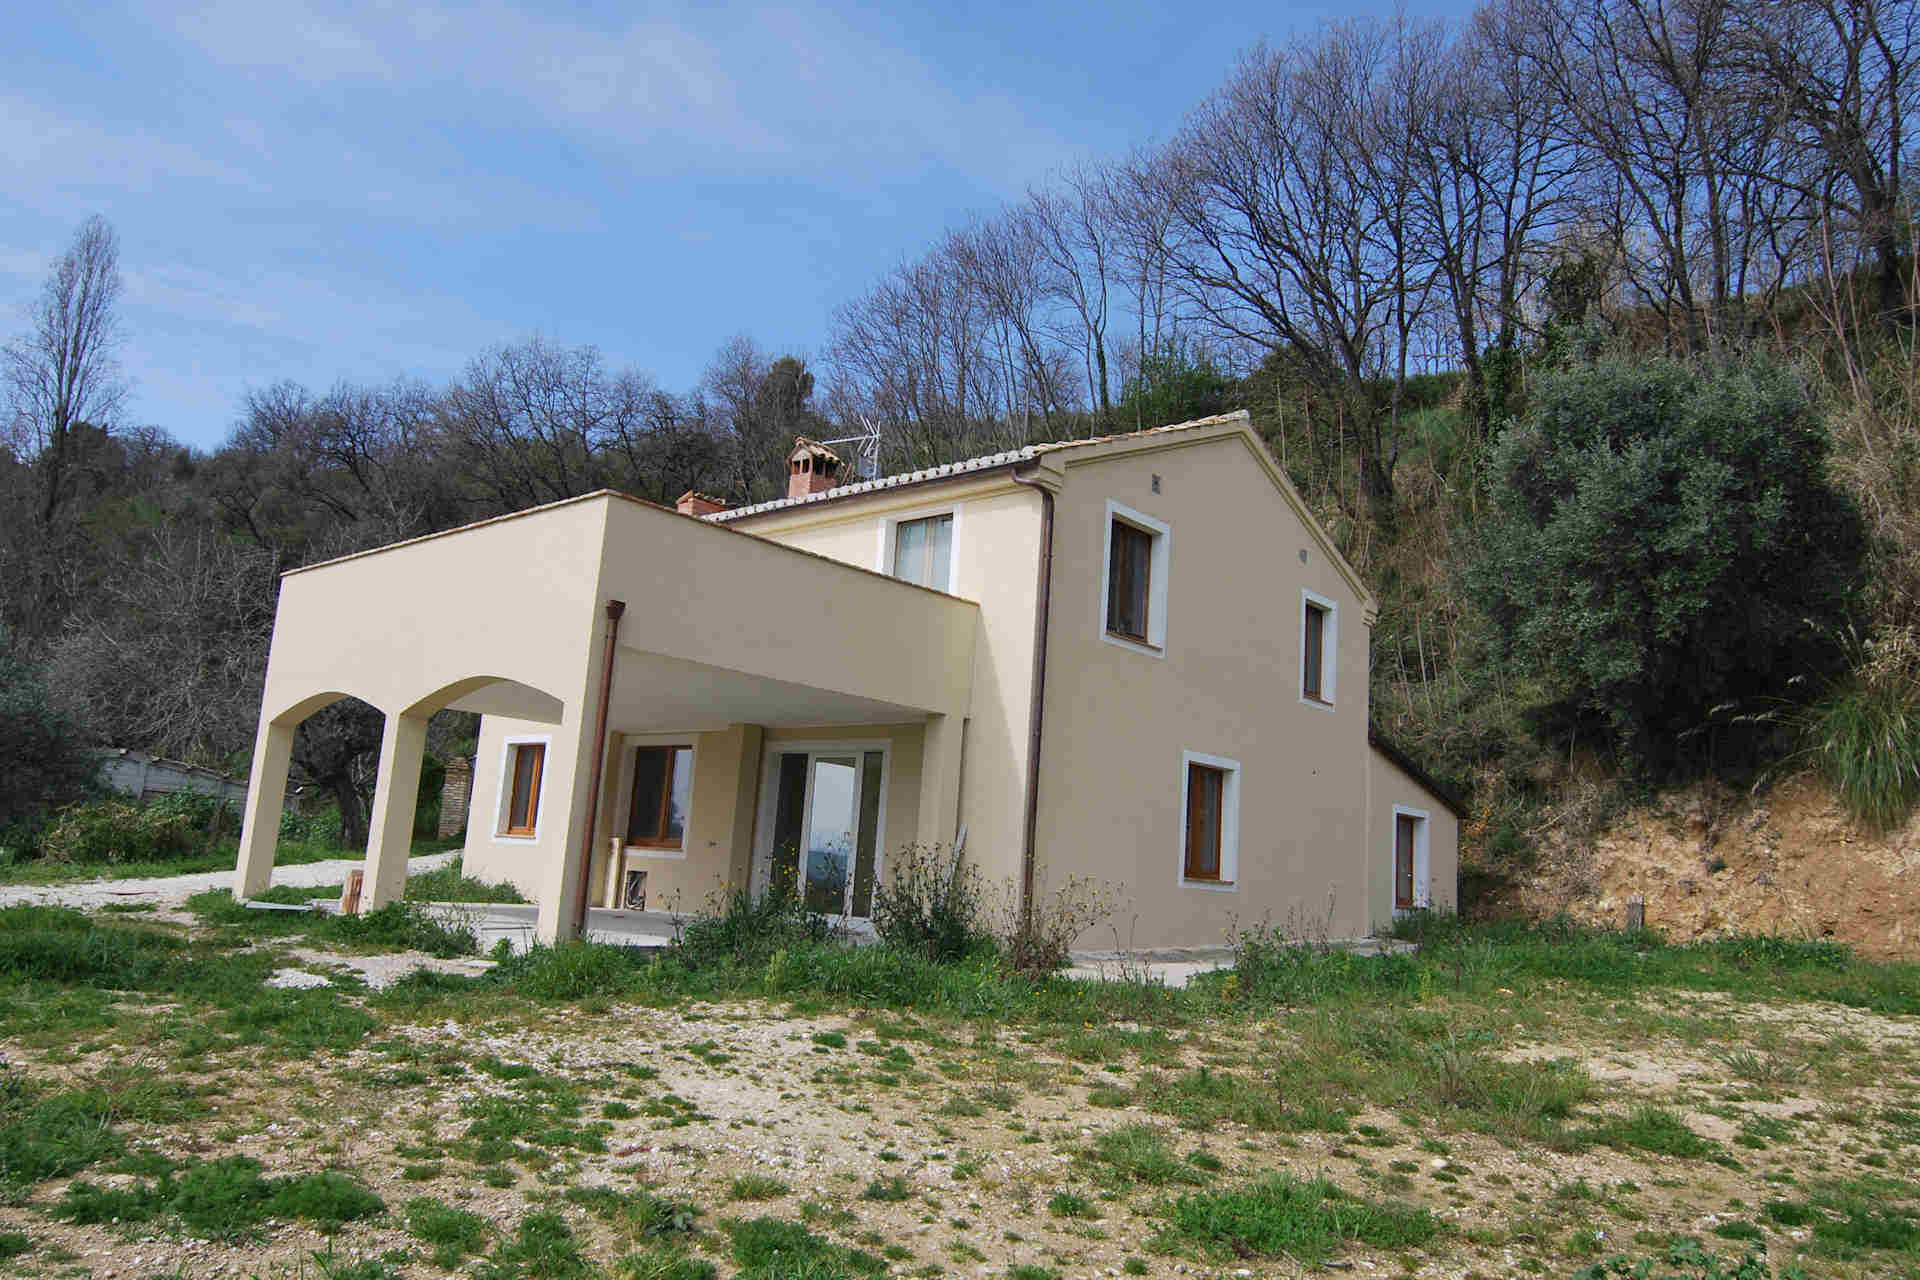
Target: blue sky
{"type": "Point", "coordinates": [316, 192]}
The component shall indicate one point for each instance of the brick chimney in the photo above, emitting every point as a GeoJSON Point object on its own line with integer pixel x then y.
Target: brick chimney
{"type": "Point", "coordinates": [692, 503]}
{"type": "Point", "coordinates": [811, 468]}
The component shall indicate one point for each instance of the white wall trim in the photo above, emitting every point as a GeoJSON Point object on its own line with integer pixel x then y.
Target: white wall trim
{"type": "Point", "coordinates": [1229, 881]}
{"type": "Point", "coordinates": [1422, 897]}
{"type": "Point", "coordinates": [1158, 572]}
{"type": "Point", "coordinates": [1329, 653]}
{"type": "Point", "coordinates": [504, 789]}
{"type": "Point", "coordinates": [883, 549]}
{"type": "Point", "coordinates": [623, 809]}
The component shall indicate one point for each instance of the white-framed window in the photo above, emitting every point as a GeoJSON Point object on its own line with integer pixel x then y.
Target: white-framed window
{"type": "Point", "coordinates": [1409, 858]}
{"type": "Point", "coordinates": [1319, 650]}
{"type": "Point", "coordinates": [919, 547]}
{"type": "Point", "coordinates": [1209, 855]}
{"type": "Point", "coordinates": [1136, 554]}
{"type": "Point", "coordinates": [659, 799]}
{"type": "Point", "coordinates": [523, 779]}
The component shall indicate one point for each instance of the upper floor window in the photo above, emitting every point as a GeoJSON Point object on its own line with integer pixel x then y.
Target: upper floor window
{"type": "Point", "coordinates": [1319, 644]}
{"type": "Point", "coordinates": [923, 551]}
{"type": "Point", "coordinates": [1134, 595]}
{"type": "Point", "coordinates": [1129, 574]}
{"type": "Point", "coordinates": [662, 790]}
{"type": "Point", "coordinates": [525, 763]}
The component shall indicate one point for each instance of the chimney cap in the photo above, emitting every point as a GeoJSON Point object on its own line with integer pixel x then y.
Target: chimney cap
{"type": "Point", "coordinates": [808, 447]}
{"type": "Point", "coordinates": [695, 503]}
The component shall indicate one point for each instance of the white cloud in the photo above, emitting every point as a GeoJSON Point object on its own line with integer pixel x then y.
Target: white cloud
{"type": "Point", "coordinates": [720, 89]}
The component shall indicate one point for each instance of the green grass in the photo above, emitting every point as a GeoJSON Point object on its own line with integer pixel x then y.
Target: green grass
{"type": "Point", "coordinates": [1286, 1217]}
{"type": "Point", "coordinates": [1649, 1128]}
{"type": "Point", "coordinates": [892, 1188]}
{"type": "Point", "coordinates": [772, 1249]}
{"type": "Point", "coordinates": [1864, 737]}
{"type": "Point", "coordinates": [223, 1199]}
{"type": "Point", "coordinates": [291, 853]}
{"type": "Point", "coordinates": [1139, 1153]}
{"type": "Point", "coordinates": [397, 926]}
{"type": "Point", "coordinates": [543, 1248]}
{"type": "Point", "coordinates": [451, 884]}
{"type": "Point", "coordinates": [452, 1233]}
{"type": "Point", "coordinates": [1066, 1204]}
{"type": "Point", "coordinates": [756, 1186]}
{"type": "Point", "coordinates": [1203, 1097]}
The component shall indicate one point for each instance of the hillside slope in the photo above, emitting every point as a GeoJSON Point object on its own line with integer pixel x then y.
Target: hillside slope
{"type": "Point", "coordinates": [1711, 861]}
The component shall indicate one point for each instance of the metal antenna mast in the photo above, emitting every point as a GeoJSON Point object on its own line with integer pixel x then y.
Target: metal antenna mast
{"type": "Point", "coordinates": [866, 448]}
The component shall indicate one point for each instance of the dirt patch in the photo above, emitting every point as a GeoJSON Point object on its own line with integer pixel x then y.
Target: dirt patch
{"type": "Point", "coordinates": [1710, 862]}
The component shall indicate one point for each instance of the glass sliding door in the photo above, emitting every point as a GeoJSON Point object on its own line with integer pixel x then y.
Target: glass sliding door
{"type": "Point", "coordinates": [821, 814]}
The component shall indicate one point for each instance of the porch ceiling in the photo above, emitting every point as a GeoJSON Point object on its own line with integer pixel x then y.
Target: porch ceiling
{"type": "Point", "coordinates": [653, 692]}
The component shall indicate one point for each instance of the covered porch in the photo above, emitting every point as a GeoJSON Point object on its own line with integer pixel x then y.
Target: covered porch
{"type": "Point", "coordinates": [600, 638]}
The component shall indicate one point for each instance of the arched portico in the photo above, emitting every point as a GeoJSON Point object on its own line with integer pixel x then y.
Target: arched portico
{"type": "Point", "coordinates": [402, 751]}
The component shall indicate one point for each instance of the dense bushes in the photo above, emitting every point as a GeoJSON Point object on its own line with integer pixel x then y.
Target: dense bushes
{"type": "Point", "coordinates": [44, 759]}
{"type": "Point", "coordinates": [1665, 547]}
{"type": "Point", "coordinates": [1864, 734]}
{"type": "Point", "coordinates": [931, 904]}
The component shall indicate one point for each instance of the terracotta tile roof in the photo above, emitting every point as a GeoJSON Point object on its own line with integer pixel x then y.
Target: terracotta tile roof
{"type": "Point", "coordinates": [985, 462]}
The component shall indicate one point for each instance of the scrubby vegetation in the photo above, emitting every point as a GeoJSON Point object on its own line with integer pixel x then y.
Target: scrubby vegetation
{"type": "Point", "coordinates": [596, 1112]}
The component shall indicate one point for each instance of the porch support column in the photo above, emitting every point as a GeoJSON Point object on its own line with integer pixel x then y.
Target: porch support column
{"type": "Point", "coordinates": [403, 744]}
{"type": "Point", "coordinates": [940, 781]}
{"type": "Point", "coordinates": [266, 798]}
{"type": "Point", "coordinates": [563, 822]}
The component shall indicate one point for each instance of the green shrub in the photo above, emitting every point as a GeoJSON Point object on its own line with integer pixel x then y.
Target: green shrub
{"type": "Point", "coordinates": [1666, 544]}
{"type": "Point", "coordinates": [743, 932]}
{"type": "Point", "coordinates": [572, 970]}
{"type": "Point", "coordinates": [451, 884]}
{"type": "Point", "coordinates": [106, 832]}
{"type": "Point", "coordinates": [1864, 734]}
{"type": "Point", "coordinates": [408, 925]}
{"type": "Point", "coordinates": [931, 904]}
{"type": "Point", "coordinates": [44, 756]}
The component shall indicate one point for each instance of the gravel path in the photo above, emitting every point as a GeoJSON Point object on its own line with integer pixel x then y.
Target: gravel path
{"type": "Point", "coordinates": [167, 891]}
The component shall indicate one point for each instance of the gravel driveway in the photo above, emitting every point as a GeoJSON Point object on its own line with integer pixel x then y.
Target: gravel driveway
{"type": "Point", "coordinates": [172, 891]}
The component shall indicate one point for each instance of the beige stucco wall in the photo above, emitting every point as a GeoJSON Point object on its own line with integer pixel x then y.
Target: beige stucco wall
{"type": "Point", "coordinates": [506, 618]}
{"type": "Point", "coordinates": [1227, 684]}
{"type": "Point", "coordinates": [1389, 785]}
{"type": "Point", "coordinates": [996, 543]}
{"type": "Point", "coordinates": [728, 771]}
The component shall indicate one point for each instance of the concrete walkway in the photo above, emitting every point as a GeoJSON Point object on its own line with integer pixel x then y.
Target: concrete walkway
{"type": "Point", "coordinates": [172, 891]}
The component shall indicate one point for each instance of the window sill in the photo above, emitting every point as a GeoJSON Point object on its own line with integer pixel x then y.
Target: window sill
{"type": "Point", "coordinates": [516, 837]}
{"type": "Point", "coordinates": [1212, 886]}
{"type": "Point", "coordinates": [1319, 704]}
{"type": "Point", "coordinates": [654, 851]}
{"type": "Point", "coordinates": [1147, 647]}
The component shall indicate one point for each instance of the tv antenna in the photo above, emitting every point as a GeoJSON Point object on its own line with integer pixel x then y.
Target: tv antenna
{"type": "Point", "coordinates": [866, 447]}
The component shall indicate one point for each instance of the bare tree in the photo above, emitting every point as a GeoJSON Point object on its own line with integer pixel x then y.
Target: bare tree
{"type": "Point", "coordinates": [1845, 76]}
{"type": "Point", "coordinates": [1075, 230]}
{"type": "Point", "coordinates": [62, 372]}
{"type": "Point", "coordinates": [1289, 234]}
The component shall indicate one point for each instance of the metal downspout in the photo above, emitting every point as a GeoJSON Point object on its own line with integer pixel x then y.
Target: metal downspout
{"type": "Point", "coordinates": [615, 608]}
{"type": "Point", "coordinates": [1037, 713]}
